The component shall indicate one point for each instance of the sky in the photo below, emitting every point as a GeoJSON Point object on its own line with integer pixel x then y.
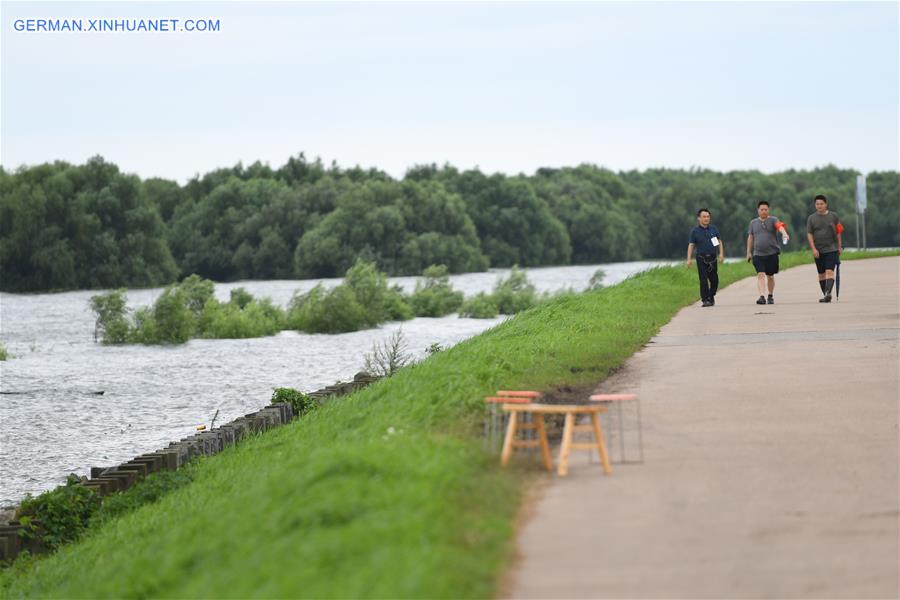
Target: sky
{"type": "Point", "coordinates": [503, 86]}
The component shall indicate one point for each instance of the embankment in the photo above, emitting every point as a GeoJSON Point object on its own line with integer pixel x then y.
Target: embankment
{"type": "Point", "coordinates": [387, 493]}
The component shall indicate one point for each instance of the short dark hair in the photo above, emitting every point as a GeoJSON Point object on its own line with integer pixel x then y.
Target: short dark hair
{"type": "Point", "coordinates": [761, 202]}
{"type": "Point", "coordinates": [703, 210]}
{"type": "Point", "coordinates": [822, 198]}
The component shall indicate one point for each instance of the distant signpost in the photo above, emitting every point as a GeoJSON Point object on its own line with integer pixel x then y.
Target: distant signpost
{"type": "Point", "coordinates": [861, 208]}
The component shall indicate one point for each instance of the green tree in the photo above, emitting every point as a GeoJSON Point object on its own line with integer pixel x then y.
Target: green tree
{"type": "Point", "coordinates": [111, 325]}
{"type": "Point", "coordinates": [514, 224]}
{"type": "Point", "coordinates": [883, 211]}
{"type": "Point", "coordinates": [86, 226]}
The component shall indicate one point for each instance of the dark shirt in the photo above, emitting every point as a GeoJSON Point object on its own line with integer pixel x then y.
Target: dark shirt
{"type": "Point", "coordinates": [823, 230]}
{"type": "Point", "coordinates": [701, 238]}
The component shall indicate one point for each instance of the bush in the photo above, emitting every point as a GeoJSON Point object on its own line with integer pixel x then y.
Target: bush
{"type": "Point", "coordinates": [63, 515]}
{"type": "Point", "coordinates": [388, 357]}
{"type": "Point", "coordinates": [303, 309]}
{"type": "Point", "coordinates": [144, 330]}
{"type": "Point", "coordinates": [479, 306]}
{"type": "Point", "coordinates": [3, 353]}
{"type": "Point", "coordinates": [396, 307]}
{"type": "Point", "coordinates": [197, 292]}
{"type": "Point", "coordinates": [300, 402]}
{"type": "Point", "coordinates": [596, 282]}
{"type": "Point", "coordinates": [111, 325]}
{"type": "Point", "coordinates": [369, 286]}
{"type": "Point", "coordinates": [245, 318]}
{"type": "Point", "coordinates": [363, 300]}
{"type": "Point", "coordinates": [269, 318]}
{"type": "Point", "coordinates": [434, 297]}
{"type": "Point", "coordinates": [58, 516]}
{"type": "Point", "coordinates": [333, 311]}
{"type": "Point", "coordinates": [240, 297]}
{"type": "Point", "coordinates": [174, 322]}
{"type": "Point", "coordinates": [515, 293]}
{"type": "Point", "coordinates": [184, 311]}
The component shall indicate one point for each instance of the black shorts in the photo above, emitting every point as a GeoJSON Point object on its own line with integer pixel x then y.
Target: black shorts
{"type": "Point", "coordinates": [827, 261]}
{"type": "Point", "coordinates": [767, 264]}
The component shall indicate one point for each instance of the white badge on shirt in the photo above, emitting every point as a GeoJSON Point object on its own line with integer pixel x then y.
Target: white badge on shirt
{"type": "Point", "coordinates": [715, 241]}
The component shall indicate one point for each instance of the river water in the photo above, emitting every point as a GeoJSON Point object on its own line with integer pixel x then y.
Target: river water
{"type": "Point", "coordinates": [54, 420]}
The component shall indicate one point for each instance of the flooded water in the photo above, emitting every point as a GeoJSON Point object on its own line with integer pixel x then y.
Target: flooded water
{"type": "Point", "coordinates": [68, 403]}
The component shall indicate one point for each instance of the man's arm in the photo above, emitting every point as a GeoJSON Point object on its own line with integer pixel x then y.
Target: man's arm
{"type": "Point", "coordinates": [809, 236]}
{"type": "Point", "coordinates": [749, 247]}
{"type": "Point", "coordinates": [782, 228]}
{"type": "Point", "coordinates": [839, 231]}
{"type": "Point", "coordinates": [721, 250]}
{"type": "Point", "coordinates": [690, 253]}
{"type": "Point", "coordinates": [812, 245]}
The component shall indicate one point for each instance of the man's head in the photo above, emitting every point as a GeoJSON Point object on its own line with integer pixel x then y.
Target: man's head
{"type": "Point", "coordinates": [821, 204]}
{"type": "Point", "coordinates": [703, 217]}
{"type": "Point", "coordinates": [762, 209]}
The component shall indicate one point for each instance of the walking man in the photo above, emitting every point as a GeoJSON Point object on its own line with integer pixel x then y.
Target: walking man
{"type": "Point", "coordinates": [823, 231]}
{"type": "Point", "coordinates": [705, 238]}
{"type": "Point", "coordinates": [763, 250]}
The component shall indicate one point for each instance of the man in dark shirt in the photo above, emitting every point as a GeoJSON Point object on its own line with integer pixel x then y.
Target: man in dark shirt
{"type": "Point", "coordinates": [823, 231]}
{"type": "Point", "coordinates": [706, 239]}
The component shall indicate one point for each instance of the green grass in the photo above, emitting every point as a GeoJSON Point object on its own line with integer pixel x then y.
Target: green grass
{"type": "Point", "coordinates": [334, 505]}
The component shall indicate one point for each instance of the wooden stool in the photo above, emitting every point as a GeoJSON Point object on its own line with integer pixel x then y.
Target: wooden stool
{"type": "Point", "coordinates": [617, 400]}
{"type": "Point", "coordinates": [570, 411]}
{"type": "Point", "coordinates": [493, 425]}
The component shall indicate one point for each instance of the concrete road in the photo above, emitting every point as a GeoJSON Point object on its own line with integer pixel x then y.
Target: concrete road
{"type": "Point", "coordinates": [771, 457]}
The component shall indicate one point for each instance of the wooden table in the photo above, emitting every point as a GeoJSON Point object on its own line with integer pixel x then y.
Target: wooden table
{"type": "Point", "coordinates": [570, 411]}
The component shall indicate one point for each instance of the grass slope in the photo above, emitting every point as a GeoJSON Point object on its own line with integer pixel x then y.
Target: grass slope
{"type": "Point", "coordinates": [387, 493]}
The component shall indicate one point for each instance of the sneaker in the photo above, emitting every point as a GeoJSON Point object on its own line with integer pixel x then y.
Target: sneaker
{"type": "Point", "coordinates": [762, 300]}
{"type": "Point", "coordinates": [827, 298]}
{"type": "Point", "coordinates": [770, 300]}
{"type": "Point", "coordinates": [712, 301]}
{"type": "Point", "coordinates": [706, 303]}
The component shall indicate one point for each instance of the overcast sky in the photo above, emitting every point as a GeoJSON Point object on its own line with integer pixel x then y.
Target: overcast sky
{"type": "Point", "coordinates": [505, 86]}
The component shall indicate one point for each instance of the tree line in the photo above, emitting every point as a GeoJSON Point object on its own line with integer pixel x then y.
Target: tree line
{"type": "Point", "coordinates": [65, 226]}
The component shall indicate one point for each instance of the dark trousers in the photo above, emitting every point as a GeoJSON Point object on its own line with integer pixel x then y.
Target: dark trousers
{"type": "Point", "coordinates": [708, 270]}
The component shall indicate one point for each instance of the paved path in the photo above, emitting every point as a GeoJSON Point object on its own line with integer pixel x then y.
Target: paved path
{"type": "Point", "coordinates": [771, 457]}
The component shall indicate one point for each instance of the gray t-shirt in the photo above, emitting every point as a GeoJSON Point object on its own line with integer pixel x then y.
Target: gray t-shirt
{"type": "Point", "coordinates": [765, 242]}
{"type": "Point", "coordinates": [822, 228]}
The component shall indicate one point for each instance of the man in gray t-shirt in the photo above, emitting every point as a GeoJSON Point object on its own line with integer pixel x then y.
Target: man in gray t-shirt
{"type": "Point", "coordinates": [763, 249]}
{"type": "Point", "coordinates": [823, 232]}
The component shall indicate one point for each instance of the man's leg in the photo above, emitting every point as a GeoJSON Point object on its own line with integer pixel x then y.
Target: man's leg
{"type": "Point", "coordinates": [771, 270]}
{"type": "Point", "coordinates": [759, 263]}
{"type": "Point", "coordinates": [704, 283]}
{"type": "Point", "coordinates": [820, 267]}
{"type": "Point", "coordinates": [761, 287]}
{"type": "Point", "coordinates": [829, 281]}
{"type": "Point", "coordinates": [828, 262]}
{"type": "Point", "coordinates": [714, 280]}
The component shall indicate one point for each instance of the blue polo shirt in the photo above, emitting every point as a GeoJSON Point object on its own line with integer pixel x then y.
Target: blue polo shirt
{"type": "Point", "coordinates": [701, 238]}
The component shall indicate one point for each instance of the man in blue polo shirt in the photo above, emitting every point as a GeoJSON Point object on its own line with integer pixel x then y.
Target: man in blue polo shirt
{"type": "Point", "coordinates": [710, 249]}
